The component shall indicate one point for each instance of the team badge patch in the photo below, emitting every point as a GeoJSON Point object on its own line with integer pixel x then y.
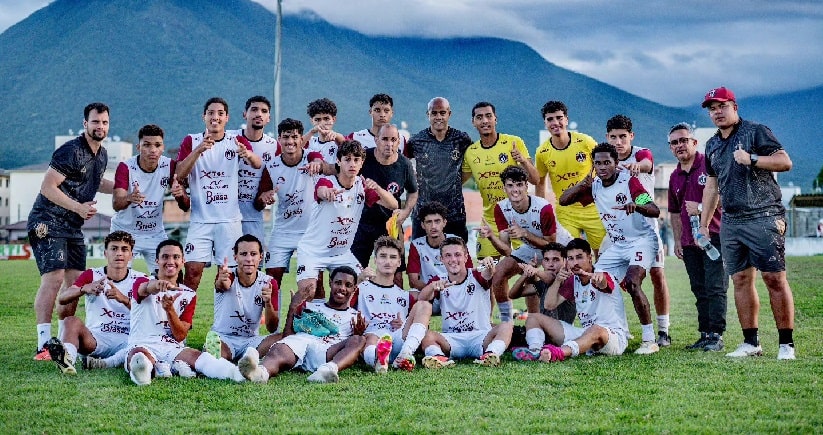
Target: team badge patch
{"type": "Point", "coordinates": [621, 198]}
{"type": "Point", "coordinates": [503, 157]}
{"type": "Point", "coordinates": [230, 154]}
{"type": "Point", "coordinates": [580, 157]}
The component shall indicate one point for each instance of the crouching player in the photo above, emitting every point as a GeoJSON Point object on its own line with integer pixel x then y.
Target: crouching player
{"type": "Point", "coordinates": [324, 356]}
{"type": "Point", "coordinates": [103, 337]}
{"type": "Point", "coordinates": [161, 317]}
{"type": "Point", "coordinates": [241, 298]}
{"type": "Point", "coordinates": [465, 304]}
{"type": "Point", "coordinates": [599, 307]}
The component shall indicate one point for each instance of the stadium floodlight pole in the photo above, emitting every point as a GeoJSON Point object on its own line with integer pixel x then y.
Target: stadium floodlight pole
{"type": "Point", "coordinates": [277, 59]}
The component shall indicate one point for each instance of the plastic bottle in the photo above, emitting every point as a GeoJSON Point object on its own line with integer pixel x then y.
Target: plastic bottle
{"type": "Point", "coordinates": [702, 241]}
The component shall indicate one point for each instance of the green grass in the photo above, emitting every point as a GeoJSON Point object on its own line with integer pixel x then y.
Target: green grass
{"type": "Point", "coordinates": [672, 391]}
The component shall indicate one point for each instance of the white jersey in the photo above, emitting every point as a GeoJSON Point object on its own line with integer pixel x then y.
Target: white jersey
{"type": "Point", "coordinates": [295, 196]}
{"type": "Point", "coordinates": [621, 227]}
{"type": "Point", "coordinates": [327, 149]}
{"type": "Point", "coordinates": [214, 179]}
{"type": "Point", "coordinates": [341, 318]}
{"type": "Point", "coordinates": [144, 220]}
{"type": "Point", "coordinates": [466, 306]}
{"type": "Point", "coordinates": [538, 219]}
{"type": "Point", "coordinates": [149, 321]}
{"type": "Point", "coordinates": [380, 305]}
{"type": "Point", "coordinates": [425, 260]}
{"type": "Point", "coordinates": [238, 310]}
{"type": "Point", "coordinates": [249, 178]}
{"type": "Point", "coordinates": [104, 315]}
{"type": "Point", "coordinates": [596, 307]}
{"type": "Point", "coordinates": [646, 178]}
{"type": "Point", "coordinates": [367, 139]}
{"type": "Point", "coordinates": [334, 223]}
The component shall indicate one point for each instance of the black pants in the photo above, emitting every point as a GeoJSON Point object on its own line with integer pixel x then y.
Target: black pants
{"type": "Point", "coordinates": [710, 284]}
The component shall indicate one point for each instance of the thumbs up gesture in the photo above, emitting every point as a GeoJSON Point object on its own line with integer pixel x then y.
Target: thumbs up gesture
{"type": "Point", "coordinates": [223, 280]}
{"type": "Point", "coordinates": [741, 156]}
{"type": "Point", "coordinates": [136, 197]}
{"type": "Point", "coordinates": [177, 190]}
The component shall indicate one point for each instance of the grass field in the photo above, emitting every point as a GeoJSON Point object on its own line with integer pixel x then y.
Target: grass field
{"type": "Point", "coordinates": [672, 391]}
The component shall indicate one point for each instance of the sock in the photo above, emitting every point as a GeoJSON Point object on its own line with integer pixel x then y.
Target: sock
{"type": "Point", "coordinates": [496, 347]}
{"type": "Point", "coordinates": [505, 309]}
{"type": "Point", "coordinates": [370, 355]}
{"type": "Point", "coordinates": [434, 350]}
{"type": "Point", "coordinates": [333, 366]}
{"type": "Point", "coordinates": [43, 334]}
{"type": "Point", "coordinates": [750, 336]}
{"type": "Point", "coordinates": [648, 332]}
{"type": "Point", "coordinates": [212, 367]}
{"type": "Point", "coordinates": [785, 337]}
{"type": "Point", "coordinates": [535, 338]}
{"type": "Point", "coordinates": [663, 323]}
{"type": "Point", "coordinates": [118, 359]}
{"type": "Point", "coordinates": [416, 333]}
{"type": "Point", "coordinates": [71, 350]}
{"type": "Point", "coordinates": [575, 348]}
{"type": "Point", "coordinates": [60, 324]}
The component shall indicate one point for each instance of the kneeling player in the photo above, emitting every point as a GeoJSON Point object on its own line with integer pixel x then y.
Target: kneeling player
{"type": "Point", "coordinates": [324, 356]}
{"type": "Point", "coordinates": [103, 337]}
{"type": "Point", "coordinates": [465, 304]}
{"type": "Point", "coordinates": [161, 317]}
{"type": "Point", "coordinates": [240, 300]}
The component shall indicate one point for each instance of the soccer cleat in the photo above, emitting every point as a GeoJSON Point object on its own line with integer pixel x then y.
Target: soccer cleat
{"type": "Point", "coordinates": [58, 354]}
{"type": "Point", "coordinates": [182, 369]}
{"type": "Point", "coordinates": [785, 352]}
{"type": "Point", "coordinates": [325, 374]}
{"type": "Point", "coordinates": [552, 353]}
{"type": "Point", "coordinates": [140, 369]}
{"type": "Point", "coordinates": [700, 343]}
{"type": "Point", "coordinates": [384, 346]}
{"type": "Point", "coordinates": [713, 343]}
{"type": "Point", "coordinates": [249, 365]}
{"type": "Point", "coordinates": [488, 359]}
{"type": "Point", "coordinates": [404, 362]}
{"type": "Point", "coordinates": [663, 339]}
{"type": "Point", "coordinates": [525, 354]}
{"type": "Point", "coordinates": [437, 362]}
{"type": "Point", "coordinates": [309, 324]}
{"type": "Point", "coordinates": [42, 355]}
{"type": "Point", "coordinates": [91, 363]}
{"type": "Point", "coordinates": [162, 370]}
{"type": "Point", "coordinates": [647, 348]}
{"type": "Point", "coordinates": [213, 344]}
{"type": "Point", "coordinates": [745, 350]}
{"type": "Point", "coordinates": [324, 321]}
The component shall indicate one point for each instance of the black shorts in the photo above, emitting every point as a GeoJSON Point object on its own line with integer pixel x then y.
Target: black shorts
{"type": "Point", "coordinates": [758, 243]}
{"type": "Point", "coordinates": [55, 253]}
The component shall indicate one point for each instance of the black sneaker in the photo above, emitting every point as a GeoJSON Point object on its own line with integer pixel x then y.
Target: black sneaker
{"type": "Point", "coordinates": [698, 345]}
{"type": "Point", "coordinates": [663, 339]}
{"type": "Point", "coordinates": [714, 342]}
{"type": "Point", "coordinates": [60, 357]}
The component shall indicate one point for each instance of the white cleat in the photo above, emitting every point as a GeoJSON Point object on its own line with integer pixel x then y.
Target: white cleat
{"type": "Point", "coordinates": [249, 365]}
{"type": "Point", "coordinates": [140, 369]}
{"type": "Point", "coordinates": [324, 374]}
{"type": "Point", "coordinates": [183, 369]}
{"type": "Point", "coordinates": [745, 350]}
{"type": "Point", "coordinates": [647, 348]}
{"type": "Point", "coordinates": [785, 352]}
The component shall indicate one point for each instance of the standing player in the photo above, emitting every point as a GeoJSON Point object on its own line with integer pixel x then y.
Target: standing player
{"type": "Point", "coordinates": [66, 199]}
{"type": "Point", "coordinates": [466, 306]}
{"type": "Point", "coordinates": [335, 217]}
{"type": "Point", "coordinates": [639, 162]}
{"type": "Point", "coordinates": [561, 161]}
{"type": "Point", "coordinates": [162, 310]}
{"type": "Point", "coordinates": [323, 356]}
{"type": "Point", "coordinates": [104, 335]}
{"type": "Point", "coordinates": [599, 307]}
{"type": "Point", "coordinates": [140, 184]}
{"type": "Point", "coordinates": [438, 155]}
{"type": "Point", "coordinates": [381, 110]}
{"type": "Point", "coordinates": [241, 299]}
{"type": "Point", "coordinates": [257, 115]}
{"type": "Point", "coordinates": [210, 162]}
{"type": "Point", "coordinates": [322, 138]}
{"type": "Point", "coordinates": [624, 205]}
{"type": "Point", "coordinates": [486, 159]}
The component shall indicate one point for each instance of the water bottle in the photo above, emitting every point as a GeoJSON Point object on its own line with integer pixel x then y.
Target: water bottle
{"type": "Point", "coordinates": [702, 241]}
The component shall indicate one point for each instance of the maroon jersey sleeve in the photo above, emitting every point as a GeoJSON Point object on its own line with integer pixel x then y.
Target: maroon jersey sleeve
{"type": "Point", "coordinates": [413, 265]}
{"type": "Point", "coordinates": [500, 218]}
{"type": "Point", "coordinates": [314, 155]}
{"type": "Point", "coordinates": [548, 224]}
{"type": "Point", "coordinates": [645, 154]}
{"type": "Point", "coordinates": [275, 295]}
{"type": "Point", "coordinates": [245, 142]}
{"type": "Point", "coordinates": [323, 182]}
{"type": "Point", "coordinates": [636, 188]}
{"type": "Point", "coordinates": [610, 284]}
{"type": "Point", "coordinates": [674, 204]}
{"type": "Point", "coordinates": [137, 282]}
{"type": "Point", "coordinates": [567, 289]}
{"type": "Point", "coordinates": [121, 176]}
{"type": "Point", "coordinates": [478, 275]}
{"type": "Point", "coordinates": [87, 277]}
{"type": "Point", "coordinates": [188, 312]}
{"type": "Point", "coordinates": [185, 148]}
{"type": "Point", "coordinates": [371, 197]}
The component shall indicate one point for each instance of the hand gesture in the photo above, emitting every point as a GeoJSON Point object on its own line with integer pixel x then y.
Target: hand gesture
{"type": "Point", "coordinates": [325, 133]}
{"type": "Point", "coordinates": [136, 197]}
{"type": "Point", "coordinates": [629, 207]}
{"type": "Point", "coordinates": [598, 279]}
{"type": "Point", "coordinates": [207, 143]}
{"type": "Point", "coordinates": [270, 196]}
{"type": "Point", "coordinates": [517, 156]}
{"type": "Point", "coordinates": [242, 151]}
{"type": "Point", "coordinates": [741, 156]}
{"type": "Point", "coordinates": [562, 275]}
{"type": "Point", "coordinates": [367, 274]}
{"type": "Point", "coordinates": [633, 168]}
{"type": "Point", "coordinates": [266, 292]}
{"type": "Point", "coordinates": [397, 322]}
{"type": "Point", "coordinates": [87, 210]}
{"type": "Point", "coordinates": [224, 275]}
{"type": "Point", "coordinates": [295, 301]}
{"type": "Point", "coordinates": [516, 231]}
{"type": "Point", "coordinates": [167, 301]}
{"type": "Point", "coordinates": [528, 270]}
{"type": "Point", "coordinates": [161, 285]}
{"type": "Point", "coordinates": [327, 193]}
{"type": "Point", "coordinates": [359, 324]}
{"type": "Point", "coordinates": [370, 184]}
{"type": "Point", "coordinates": [176, 188]}
{"type": "Point", "coordinates": [313, 168]}
{"type": "Point", "coordinates": [94, 287]}
{"type": "Point", "coordinates": [487, 265]}
{"type": "Point", "coordinates": [441, 284]}
{"type": "Point", "coordinates": [484, 230]}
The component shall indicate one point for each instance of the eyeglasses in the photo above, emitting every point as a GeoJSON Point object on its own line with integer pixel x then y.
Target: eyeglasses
{"type": "Point", "coordinates": [715, 107]}
{"type": "Point", "coordinates": [681, 141]}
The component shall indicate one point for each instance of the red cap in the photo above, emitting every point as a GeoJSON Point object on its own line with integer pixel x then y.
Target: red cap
{"type": "Point", "coordinates": [720, 94]}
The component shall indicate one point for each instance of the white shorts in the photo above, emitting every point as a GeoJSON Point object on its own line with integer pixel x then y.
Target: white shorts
{"type": "Point", "coordinates": [308, 266]}
{"type": "Point", "coordinates": [396, 340]}
{"type": "Point", "coordinates": [108, 344]}
{"type": "Point", "coordinates": [466, 344]}
{"type": "Point", "coordinates": [238, 345]}
{"type": "Point", "coordinates": [660, 257]}
{"type": "Point", "coordinates": [255, 228]}
{"type": "Point", "coordinates": [161, 352]}
{"type": "Point", "coordinates": [299, 344]}
{"type": "Point", "coordinates": [615, 346]}
{"type": "Point", "coordinates": [619, 256]}
{"type": "Point", "coordinates": [211, 243]}
{"type": "Point", "coordinates": [526, 253]}
{"type": "Point", "coordinates": [280, 250]}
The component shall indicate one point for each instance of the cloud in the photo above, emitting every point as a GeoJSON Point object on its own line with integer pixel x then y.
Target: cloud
{"type": "Point", "coordinates": [13, 11]}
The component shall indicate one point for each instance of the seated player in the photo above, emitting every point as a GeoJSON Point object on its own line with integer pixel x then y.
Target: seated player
{"type": "Point", "coordinates": [104, 335]}
{"type": "Point", "coordinates": [466, 307]}
{"type": "Point", "coordinates": [535, 281]}
{"type": "Point", "coordinates": [623, 205]}
{"type": "Point", "coordinates": [599, 307]}
{"type": "Point", "coordinates": [161, 317]}
{"type": "Point", "coordinates": [323, 356]}
{"type": "Point", "coordinates": [241, 299]}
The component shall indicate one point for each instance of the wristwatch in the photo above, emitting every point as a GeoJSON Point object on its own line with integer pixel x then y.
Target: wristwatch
{"type": "Point", "coordinates": [700, 208]}
{"type": "Point", "coordinates": [754, 158]}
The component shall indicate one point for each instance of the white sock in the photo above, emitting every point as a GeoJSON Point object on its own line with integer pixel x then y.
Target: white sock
{"type": "Point", "coordinates": [71, 350]}
{"type": "Point", "coordinates": [370, 355]}
{"type": "Point", "coordinates": [535, 338]}
{"type": "Point", "coordinates": [663, 323]}
{"type": "Point", "coordinates": [43, 334]}
{"type": "Point", "coordinates": [118, 359]}
{"type": "Point", "coordinates": [416, 333]}
{"type": "Point", "coordinates": [434, 350]}
{"type": "Point", "coordinates": [648, 332]}
{"type": "Point", "coordinates": [496, 347]}
{"type": "Point", "coordinates": [571, 344]}
{"type": "Point", "coordinates": [212, 367]}
{"type": "Point", "coordinates": [60, 324]}
{"type": "Point", "coordinates": [505, 309]}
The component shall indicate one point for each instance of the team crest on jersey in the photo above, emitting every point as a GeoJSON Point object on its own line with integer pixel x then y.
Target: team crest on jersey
{"type": "Point", "coordinates": [455, 155]}
{"type": "Point", "coordinates": [402, 302]}
{"type": "Point", "coordinates": [189, 248]}
{"type": "Point", "coordinates": [621, 198]}
{"type": "Point", "coordinates": [164, 182]}
{"type": "Point", "coordinates": [266, 156]}
{"type": "Point", "coordinates": [701, 179]}
{"type": "Point", "coordinates": [476, 159]}
{"type": "Point", "coordinates": [580, 157]}
{"type": "Point", "coordinates": [231, 154]}
{"type": "Point", "coordinates": [370, 298]}
{"type": "Point", "coordinates": [503, 157]}
{"type": "Point", "coordinates": [426, 258]}
{"type": "Point", "coordinates": [258, 300]}
{"type": "Point", "coordinates": [393, 188]}
{"type": "Point", "coordinates": [183, 304]}
{"type": "Point", "coordinates": [470, 288]}
{"type": "Point", "coordinates": [332, 151]}
{"type": "Point", "coordinates": [360, 198]}
{"type": "Point", "coordinates": [300, 269]}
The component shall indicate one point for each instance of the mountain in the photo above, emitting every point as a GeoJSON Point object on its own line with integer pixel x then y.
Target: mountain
{"type": "Point", "coordinates": [156, 61]}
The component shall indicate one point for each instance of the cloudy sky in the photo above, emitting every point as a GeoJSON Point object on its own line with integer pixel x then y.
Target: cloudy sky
{"type": "Point", "coordinates": [666, 52]}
